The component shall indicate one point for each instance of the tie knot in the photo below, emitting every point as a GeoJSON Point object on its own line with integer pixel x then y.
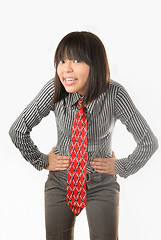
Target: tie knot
{"type": "Point", "coordinates": [80, 105]}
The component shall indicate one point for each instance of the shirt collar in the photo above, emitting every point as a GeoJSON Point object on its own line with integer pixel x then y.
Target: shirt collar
{"type": "Point", "coordinates": [72, 98]}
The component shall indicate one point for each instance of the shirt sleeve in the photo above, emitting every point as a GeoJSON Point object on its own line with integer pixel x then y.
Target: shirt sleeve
{"type": "Point", "coordinates": [31, 116]}
{"type": "Point", "coordinates": [135, 123]}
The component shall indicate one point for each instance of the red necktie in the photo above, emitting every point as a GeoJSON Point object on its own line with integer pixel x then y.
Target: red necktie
{"type": "Point", "coordinates": [76, 178]}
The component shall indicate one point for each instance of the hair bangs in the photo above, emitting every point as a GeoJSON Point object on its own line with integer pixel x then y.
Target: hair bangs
{"type": "Point", "coordinates": [72, 47]}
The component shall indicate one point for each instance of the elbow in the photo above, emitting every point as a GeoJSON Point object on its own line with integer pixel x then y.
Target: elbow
{"type": "Point", "coordinates": [155, 144]}
{"type": "Point", "coordinates": [151, 147]}
{"type": "Point", "coordinates": [150, 144]}
{"type": "Point", "coordinates": [10, 132]}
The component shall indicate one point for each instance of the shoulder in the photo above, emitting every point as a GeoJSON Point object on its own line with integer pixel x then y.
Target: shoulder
{"type": "Point", "coordinates": [110, 93]}
{"type": "Point", "coordinates": [48, 87]}
{"type": "Point", "coordinates": [121, 95]}
{"type": "Point", "coordinates": [46, 93]}
{"type": "Point", "coordinates": [115, 92]}
{"type": "Point", "coordinates": [113, 88]}
{"type": "Point", "coordinates": [116, 88]}
{"type": "Point", "coordinates": [50, 83]}
{"type": "Point", "coordinates": [115, 85]}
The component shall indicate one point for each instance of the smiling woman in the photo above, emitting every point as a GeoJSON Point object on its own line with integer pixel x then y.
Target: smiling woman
{"type": "Point", "coordinates": [81, 53]}
{"type": "Point", "coordinates": [73, 75]}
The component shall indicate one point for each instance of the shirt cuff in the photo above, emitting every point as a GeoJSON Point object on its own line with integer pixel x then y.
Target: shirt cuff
{"type": "Point", "coordinates": [45, 159]}
{"type": "Point", "coordinates": [119, 167]}
{"type": "Point", "coordinates": [41, 162]}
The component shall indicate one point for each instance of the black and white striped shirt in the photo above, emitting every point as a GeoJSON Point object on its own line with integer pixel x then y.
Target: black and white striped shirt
{"type": "Point", "coordinates": [102, 114]}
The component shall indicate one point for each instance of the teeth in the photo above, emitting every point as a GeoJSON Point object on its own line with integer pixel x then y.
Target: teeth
{"type": "Point", "coordinates": [70, 79]}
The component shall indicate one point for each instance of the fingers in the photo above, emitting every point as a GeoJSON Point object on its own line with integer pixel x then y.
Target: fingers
{"type": "Point", "coordinates": [102, 171]}
{"type": "Point", "coordinates": [60, 157]}
{"type": "Point", "coordinates": [113, 154]}
{"type": "Point", "coordinates": [62, 162]}
{"type": "Point", "coordinates": [52, 150]}
{"type": "Point", "coordinates": [98, 164]}
{"type": "Point", "coordinates": [104, 165]}
{"type": "Point", "coordinates": [60, 167]}
{"type": "Point", "coordinates": [57, 162]}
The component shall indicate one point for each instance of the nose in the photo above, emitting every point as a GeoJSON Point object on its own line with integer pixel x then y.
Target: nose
{"type": "Point", "coordinates": [68, 66]}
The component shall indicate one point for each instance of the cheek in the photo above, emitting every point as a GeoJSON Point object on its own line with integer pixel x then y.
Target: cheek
{"type": "Point", "coordinates": [58, 71]}
{"type": "Point", "coordinates": [87, 70]}
{"type": "Point", "coordinates": [86, 74]}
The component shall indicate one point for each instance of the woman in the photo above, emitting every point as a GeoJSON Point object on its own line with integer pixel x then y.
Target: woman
{"type": "Point", "coordinates": [82, 72]}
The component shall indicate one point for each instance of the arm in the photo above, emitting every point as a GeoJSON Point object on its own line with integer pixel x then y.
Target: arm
{"type": "Point", "coordinates": [31, 116]}
{"type": "Point", "coordinates": [146, 141]}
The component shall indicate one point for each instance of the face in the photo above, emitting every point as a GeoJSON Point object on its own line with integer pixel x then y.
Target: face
{"type": "Point", "coordinates": [73, 75]}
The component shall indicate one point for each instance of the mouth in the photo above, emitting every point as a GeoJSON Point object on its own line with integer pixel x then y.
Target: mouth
{"type": "Point", "coordinates": [70, 81]}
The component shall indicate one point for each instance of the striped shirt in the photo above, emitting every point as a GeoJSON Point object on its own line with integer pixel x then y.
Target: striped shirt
{"type": "Point", "coordinates": [102, 114]}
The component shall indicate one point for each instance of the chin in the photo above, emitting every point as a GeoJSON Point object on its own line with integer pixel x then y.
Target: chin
{"type": "Point", "coordinates": [70, 91]}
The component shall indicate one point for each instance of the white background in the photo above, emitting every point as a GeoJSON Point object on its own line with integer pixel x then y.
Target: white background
{"type": "Point", "coordinates": [30, 32]}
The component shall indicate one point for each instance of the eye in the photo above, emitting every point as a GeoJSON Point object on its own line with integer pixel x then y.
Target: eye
{"type": "Point", "coordinates": [76, 61]}
{"type": "Point", "coordinates": [61, 61]}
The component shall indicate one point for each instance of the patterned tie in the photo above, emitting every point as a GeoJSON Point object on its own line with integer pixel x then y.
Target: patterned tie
{"type": "Point", "coordinates": [76, 178]}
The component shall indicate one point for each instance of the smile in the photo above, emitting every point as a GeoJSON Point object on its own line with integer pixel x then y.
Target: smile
{"type": "Point", "coordinates": [70, 81]}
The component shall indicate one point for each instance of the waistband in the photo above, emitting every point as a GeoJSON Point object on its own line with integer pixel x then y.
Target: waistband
{"type": "Point", "coordinates": [90, 177]}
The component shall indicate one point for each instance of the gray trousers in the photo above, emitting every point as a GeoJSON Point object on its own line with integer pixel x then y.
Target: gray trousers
{"type": "Point", "coordinates": [102, 207]}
